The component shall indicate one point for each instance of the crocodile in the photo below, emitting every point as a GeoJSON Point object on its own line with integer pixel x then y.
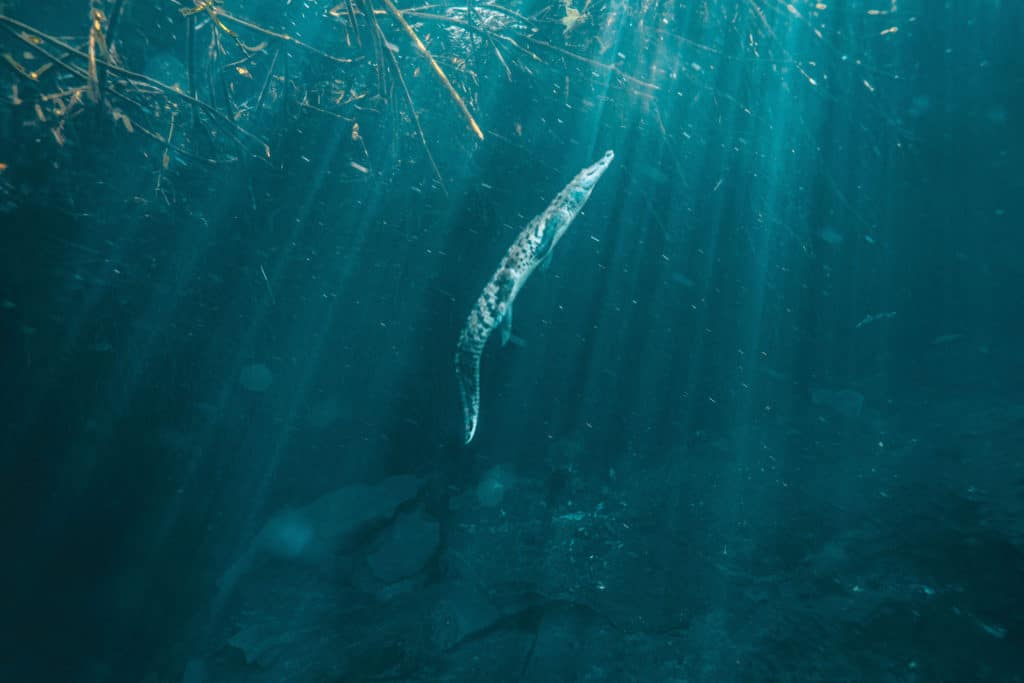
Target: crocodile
{"type": "Point", "coordinates": [532, 248]}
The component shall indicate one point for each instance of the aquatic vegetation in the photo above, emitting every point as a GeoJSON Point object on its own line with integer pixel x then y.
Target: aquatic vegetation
{"type": "Point", "coordinates": [223, 75]}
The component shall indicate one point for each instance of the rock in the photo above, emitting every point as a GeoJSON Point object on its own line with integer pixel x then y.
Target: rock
{"type": "Point", "coordinates": [329, 525]}
{"type": "Point", "coordinates": [462, 611]}
{"type": "Point", "coordinates": [405, 547]}
{"type": "Point", "coordinates": [259, 644]}
{"type": "Point", "coordinates": [335, 519]}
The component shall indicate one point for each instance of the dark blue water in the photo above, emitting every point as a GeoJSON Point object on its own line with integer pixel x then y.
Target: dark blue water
{"type": "Point", "coordinates": [761, 418]}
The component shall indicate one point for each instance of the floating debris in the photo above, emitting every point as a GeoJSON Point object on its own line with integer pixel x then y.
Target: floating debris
{"type": "Point", "coordinates": [868, 319]}
{"type": "Point", "coordinates": [993, 630]}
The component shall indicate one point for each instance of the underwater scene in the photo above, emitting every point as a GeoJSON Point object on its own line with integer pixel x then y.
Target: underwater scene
{"type": "Point", "coordinates": [539, 341]}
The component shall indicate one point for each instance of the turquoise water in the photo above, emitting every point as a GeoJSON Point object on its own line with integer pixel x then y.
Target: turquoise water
{"type": "Point", "coordinates": [759, 419]}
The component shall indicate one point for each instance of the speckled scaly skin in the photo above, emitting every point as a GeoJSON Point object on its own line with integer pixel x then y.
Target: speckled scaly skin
{"type": "Point", "coordinates": [531, 248]}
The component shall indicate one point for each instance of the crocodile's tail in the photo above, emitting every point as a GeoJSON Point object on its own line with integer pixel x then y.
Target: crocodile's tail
{"type": "Point", "coordinates": [467, 369]}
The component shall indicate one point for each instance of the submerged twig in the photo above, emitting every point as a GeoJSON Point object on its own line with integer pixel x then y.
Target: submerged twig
{"type": "Point", "coordinates": [472, 28]}
{"type": "Point", "coordinates": [165, 158]}
{"type": "Point", "coordinates": [33, 76]}
{"type": "Point", "coordinates": [593, 62]}
{"type": "Point", "coordinates": [266, 81]}
{"type": "Point", "coordinates": [468, 26]}
{"type": "Point", "coordinates": [352, 19]}
{"type": "Point", "coordinates": [135, 126]}
{"type": "Point", "coordinates": [113, 22]}
{"type": "Point", "coordinates": [472, 25]}
{"type": "Point", "coordinates": [500, 56]}
{"type": "Point", "coordinates": [97, 43]}
{"type": "Point", "coordinates": [393, 11]}
{"type": "Point", "coordinates": [214, 113]}
{"type": "Point", "coordinates": [377, 38]}
{"type": "Point", "coordinates": [412, 106]}
{"type": "Point", "coordinates": [281, 36]}
{"type": "Point", "coordinates": [190, 61]}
